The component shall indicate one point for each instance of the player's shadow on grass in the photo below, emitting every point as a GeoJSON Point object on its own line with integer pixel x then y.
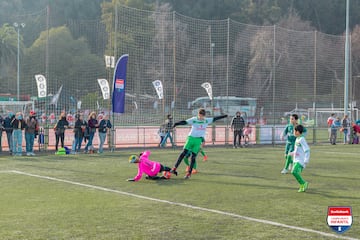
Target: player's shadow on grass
{"type": "Point", "coordinates": [237, 175]}
{"type": "Point", "coordinates": [340, 178]}
{"type": "Point", "coordinates": [316, 191]}
{"type": "Point", "coordinates": [165, 182]}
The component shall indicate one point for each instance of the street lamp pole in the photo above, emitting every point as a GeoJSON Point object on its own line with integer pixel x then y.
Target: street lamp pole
{"type": "Point", "coordinates": [212, 46]}
{"type": "Point", "coordinates": [18, 26]}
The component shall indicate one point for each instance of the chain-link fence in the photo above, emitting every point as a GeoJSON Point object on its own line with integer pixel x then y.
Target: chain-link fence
{"type": "Point", "coordinates": [281, 68]}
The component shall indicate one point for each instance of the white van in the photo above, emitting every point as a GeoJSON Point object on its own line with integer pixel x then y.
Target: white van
{"type": "Point", "coordinates": [225, 105]}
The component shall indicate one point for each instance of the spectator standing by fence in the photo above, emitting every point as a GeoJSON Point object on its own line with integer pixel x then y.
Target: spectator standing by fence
{"type": "Point", "coordinates": [237, 126]}
{"type": "Point", "coordinates": [31, 127]}
{"type": "Point", "coordinates": [9, 129]}
{"type": "Point", "coordinates": [329, 122]}
{"type": "Point", "coordinates": [79, 130]}
{"type": "Point", "coordinates": [18, 124]}
{"type": "Point", "coordinates": [345, 124]}
{"type": "Point", "coordinates": [59, 129]}
{"type": "Point", "coordinates": [168, 131]}
{"type": "Point", "coordinates": [104, 126]}
{"type": "Point", "coordinates": [92, 125]}
{"type": "Point", "coordinates": [334, 128]}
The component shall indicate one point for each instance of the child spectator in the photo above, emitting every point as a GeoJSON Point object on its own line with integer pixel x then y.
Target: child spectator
{"type": "Point", "coordinates": [356, 133]}
{"type": "Point", "coordinates": [247, 132]}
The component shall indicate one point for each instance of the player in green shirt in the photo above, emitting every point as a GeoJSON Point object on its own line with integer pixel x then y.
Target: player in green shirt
{"type": "Point", "coordinates": [290, 141]}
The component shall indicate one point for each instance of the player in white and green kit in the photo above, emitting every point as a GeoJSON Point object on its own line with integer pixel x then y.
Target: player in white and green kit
{"type": "Point", "coordinates": [301, 157]}
{"type": "Point", "coordinates": [195, 138]}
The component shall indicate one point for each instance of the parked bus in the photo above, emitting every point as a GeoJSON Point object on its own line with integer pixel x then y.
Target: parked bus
{"type": "Point", "coordinates": [225, 105]}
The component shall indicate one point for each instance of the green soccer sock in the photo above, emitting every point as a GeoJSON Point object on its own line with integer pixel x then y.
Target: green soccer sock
{"type": "Point", "coordinates": [297, 173]}
{"type": "Point", "coordinates": [288, 161]}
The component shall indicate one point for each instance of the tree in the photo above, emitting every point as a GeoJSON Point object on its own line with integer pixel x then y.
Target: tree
{"type": "Point", "coordinates": [292, 52]}
{"type": "Point", "coordinates": [8, 56]}
{"type": "Point", "coordinates": [72, 63]}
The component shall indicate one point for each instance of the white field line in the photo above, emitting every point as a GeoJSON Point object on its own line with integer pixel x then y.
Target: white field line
{"type": "Point", "coordinates": [183, 205]}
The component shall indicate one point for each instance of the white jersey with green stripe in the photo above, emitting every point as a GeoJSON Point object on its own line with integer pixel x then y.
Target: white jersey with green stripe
{"type": "Point", "coordinates": [198, 127]}
{"type": "Point", "coordinates": [302, 151]}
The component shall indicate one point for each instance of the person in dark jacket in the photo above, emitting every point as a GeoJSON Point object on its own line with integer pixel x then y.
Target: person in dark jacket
{"type": "Point", "coordinates": [104, 126]}
{"type": "Point", "coordinates": [9, 130]}
{"type": "Point", "coordinates": [168, 131]}
{"type": "Point", "coordinates": [92, 125]}
{"type": "Point", "coordinates": [32, 126]}
{"type": "Point", "coordinates": [237, 126]}
{"type": "Point", "coordinates": [59, 129]}
{"type": "Point", "coordinates": [18, 124]}
{"type": "Point", "coordinates": [79, 131]}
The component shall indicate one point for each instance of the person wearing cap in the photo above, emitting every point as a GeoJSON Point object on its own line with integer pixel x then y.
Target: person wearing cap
{"type": "Point", "coordinates": [18, 124]}
{"type": "Point", "coordinates": [149, 167]}
{"type": "Point", "coordinates": [104, 125]}
{"type": "Point", "coordinates": [31, 126]}
{"type": "Point", "coordinates": [9, 129]}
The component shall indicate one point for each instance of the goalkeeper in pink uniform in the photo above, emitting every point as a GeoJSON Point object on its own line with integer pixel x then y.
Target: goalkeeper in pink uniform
{"type": "Point", "coordinates": [151, 168]}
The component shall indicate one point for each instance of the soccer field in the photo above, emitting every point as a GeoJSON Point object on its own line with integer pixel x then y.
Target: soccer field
{"type": "Point", "coordinates": [237, 194]}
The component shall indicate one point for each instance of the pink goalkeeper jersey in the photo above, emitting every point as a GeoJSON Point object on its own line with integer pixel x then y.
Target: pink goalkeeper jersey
{"type": "Point", "coordinates": [147, 166]}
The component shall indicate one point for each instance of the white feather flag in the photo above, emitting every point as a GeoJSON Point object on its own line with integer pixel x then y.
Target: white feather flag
{"type": "Point", "coordinates": [159, 88]}
{"type": "Point", "coordinates": [208, 89]}
{"type": "Point", "coordinates": [56, 97]}
{"type": "Point", "coordinates": [41, 85]}
{"type": "Point", "coordinates": [104, 86]}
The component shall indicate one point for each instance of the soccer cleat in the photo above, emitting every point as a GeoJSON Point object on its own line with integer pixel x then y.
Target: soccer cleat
{"type": "Point", "coordinates": [187, 169]}
{"type": "Point", "coordinates": [305, 186]}
{"type": "Point", "coordinates": [301, 189]}
{"type": "Point", "coordinates": [205, 158]}
{"type": "Point", "coordinates": [194, 171]}
{"type": "Point", "coordinates": [173, 170]}
{"type": "Point", "coordinates": [284, 171]}
{"type": "Point", "coordinates": [187, 176]}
